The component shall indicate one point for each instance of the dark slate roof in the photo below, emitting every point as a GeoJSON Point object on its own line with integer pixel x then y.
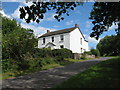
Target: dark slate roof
{"type": "Point", "coordinates": [61, 32]}
{"type": "Point", "coordinates": [58, 32]}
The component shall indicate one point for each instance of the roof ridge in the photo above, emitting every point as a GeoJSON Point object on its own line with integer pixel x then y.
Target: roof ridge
{"type": "Point", "coordinates": [67, 30]}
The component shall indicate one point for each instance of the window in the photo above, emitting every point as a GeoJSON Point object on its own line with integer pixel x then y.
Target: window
{"type": "Point", "coordinates": [80, 40]}
{"type": "Point", "coordinates": [81, 50]}
{"type": "Point", "coordinates": [61, 37]}
{"type": "Point", "coordinates": [52, 39]}
{"type": "Point", "coordinates": [61, 46]}
{"type": "Point", "coordinates": [43, 40]}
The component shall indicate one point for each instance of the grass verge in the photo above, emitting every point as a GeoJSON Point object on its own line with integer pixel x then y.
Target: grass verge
{"type": "Point", "coordinates": [103, 75]}
{"type": "Point", "coordinates": [12, 74]}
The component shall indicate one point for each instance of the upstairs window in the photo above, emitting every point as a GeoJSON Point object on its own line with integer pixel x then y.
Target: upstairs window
{"type": "Point", "coordinates": [61, 37]}
{"type": "Point", "coordinates": [43, 40]}
{"type": "Point", "coordinates": [52, 39]}
{"type": "Point", "coordinates": [61, 46]}
{"type": "Point", "coordinates": [81, 41]}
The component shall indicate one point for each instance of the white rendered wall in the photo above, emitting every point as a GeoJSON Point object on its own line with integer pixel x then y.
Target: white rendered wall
{"type": "Point", "coordinates": [75, 42]}
{"type": "Point", "coordinates": [57, 41]}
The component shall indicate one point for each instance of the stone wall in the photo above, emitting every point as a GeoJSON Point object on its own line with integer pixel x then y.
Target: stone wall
{"type": "Point", "coordinates": [78, 55]}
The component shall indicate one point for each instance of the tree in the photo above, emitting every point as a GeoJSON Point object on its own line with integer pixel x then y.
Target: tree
{"type": "Point", "coordinates": [104, 14]}
{"type": "Point", "coordinates": [95, 52]}
{"type": "Point", "coordinates": [37, 10]}
{"type": "Point", "coordinates": [109, 45]}
{"type": "Point", "coordinates": [16, 41]}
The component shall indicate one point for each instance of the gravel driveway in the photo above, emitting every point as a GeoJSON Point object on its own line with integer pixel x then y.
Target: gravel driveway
{"type": "Point", "coordinates": [51, 77]}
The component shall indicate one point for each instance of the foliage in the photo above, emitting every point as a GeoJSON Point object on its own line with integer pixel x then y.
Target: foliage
{"type": "Point", "coordinates": [109, 45]}
{"type": "Point", "coordinates": [83, 57]}
{"type": "Point", "coordinates": [17, 43]}
{"type": "Point", "coordinates": [87, 53]}
{"type": "Point", "coordinates": [104, 14]}
{"type": "Point", "coordinates": [95, 52]}
{"type": "Point", "coordinates": [43, 52]}
{"type": "Point", "coordinates": [65, 53]}
{"type": "Point", "coordinates": [37, 10]}
{"type": "Point", "coordinates": [106, 72]}
{"type": "Point", "coordinates": [9, 65]}
{"type": "Point", "coordinates": [37, 63]}
{"type": "Point", "coordinates": [92, 52]}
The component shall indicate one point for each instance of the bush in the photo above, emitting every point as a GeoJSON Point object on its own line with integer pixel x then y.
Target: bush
{"type": "Point", "coordinates": [83, 56]}
{"type": "Point", "coordinates": [42, 52]}
{"type": "Point", "coordinates": [87, 53]}
{"type": "Point", "coordinates": [95, 52]}
{"type": "Point", "coordinates": [65, 53]}
{"type": "Point", "coordinates": [59, 59]}
{"type": "Point", "coordinates": [9, 65]}
{"type": "Point", "coordinates": [40, 62]}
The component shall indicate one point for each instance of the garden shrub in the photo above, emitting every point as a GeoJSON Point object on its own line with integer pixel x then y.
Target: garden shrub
{"type": "Point", "coordinates": [83, 56]}
{"type": "Point", "coordinates": [59, 59]}
{"type": "Point", "coordinates": [65, 53]}
{"type": "Point", "coordinates": [40, 62]}
{"type": "Point", "coordinates": [42, 52]}
{"type": "Point", "coordinates": [95, 52]}
{"type": "Point", "coordinates": [9, 65]}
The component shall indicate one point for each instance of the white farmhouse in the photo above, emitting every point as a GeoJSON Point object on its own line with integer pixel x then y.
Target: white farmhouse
{"type": "Point", "coordinates": [70, 38]}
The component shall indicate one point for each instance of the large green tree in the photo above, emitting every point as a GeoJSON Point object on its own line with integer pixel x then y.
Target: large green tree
{"type": "Point", "coordinates": [109, 45]}
{"type": "Point", "coordinates": [104, 14]}
{"type": "Point", "coordinates": [16, 41]}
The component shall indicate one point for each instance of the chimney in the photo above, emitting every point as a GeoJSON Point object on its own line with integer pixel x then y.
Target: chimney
{"type": "Point", "coordinates": [48, 31]}
{"type": "Point", "coordinates": [76, 25]}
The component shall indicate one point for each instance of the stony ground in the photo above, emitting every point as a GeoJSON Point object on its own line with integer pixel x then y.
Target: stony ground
{"type": "Point", "coordinates": [51, 77]}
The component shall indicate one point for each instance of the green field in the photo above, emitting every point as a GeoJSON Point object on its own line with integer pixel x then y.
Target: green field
{"type": "Point", "coordinates": [103, 75]}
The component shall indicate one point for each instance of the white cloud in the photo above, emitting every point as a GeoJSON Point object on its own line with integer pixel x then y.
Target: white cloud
{"type": "Point", "coordinates": [69, 23]}
{"type": "Point", "coordinates": [92, 40]}
{"type": "Point", "coordinates": [4, 14]}
{"type": "Point", "coordinates": [50, 17]}
{"type": "Point", "coordinates": [113, 27]}
{"type": "Point", "coordinates": [16, 13]}
{"type": "Point", "coordinates": [88, 24]}
{"type": "Point", "coordinates": [37, 30]}
{"type": "Point", "coordinates": [56, 26]}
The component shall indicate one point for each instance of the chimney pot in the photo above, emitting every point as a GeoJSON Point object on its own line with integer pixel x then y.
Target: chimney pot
{"type": "Point", "coordinates": [76, 25]}
{"type": "Point", "coordinates": [48, 31]}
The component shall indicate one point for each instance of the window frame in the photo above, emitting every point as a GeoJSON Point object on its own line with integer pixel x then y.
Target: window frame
{"type": "Point", "coordinates": [61, 37]}
{"type": "Point", "coordinates": [53, 39]}
{"type": "Point", "coordinates": [43, 40]}
{"type": "Point", "coordinates": [81, 41]}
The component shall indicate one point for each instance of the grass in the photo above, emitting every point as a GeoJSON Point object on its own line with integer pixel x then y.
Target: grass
{"type": "Point", "coordinates": [12, 74]}
{"type": "Point", "coordinates": [103, 75]}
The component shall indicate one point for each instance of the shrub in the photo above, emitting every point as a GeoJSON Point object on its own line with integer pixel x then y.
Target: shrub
{"type": "Point", "coordinates": [42, 52]}
{"type": "Point", "coordinates": [95, 52]}
{"type": "Point", "coordinates": [83, 56]}
{"type": "Point", "coordinates": [88, 53]}
{"type": "Point", "coordinates": [9, 65]}
{"type": "Point", "coordinates": [40, 62]}
{"type": "Point", "coordinates": [65, 53]}
{"type": "Point", "coordinates": [59, 59]}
